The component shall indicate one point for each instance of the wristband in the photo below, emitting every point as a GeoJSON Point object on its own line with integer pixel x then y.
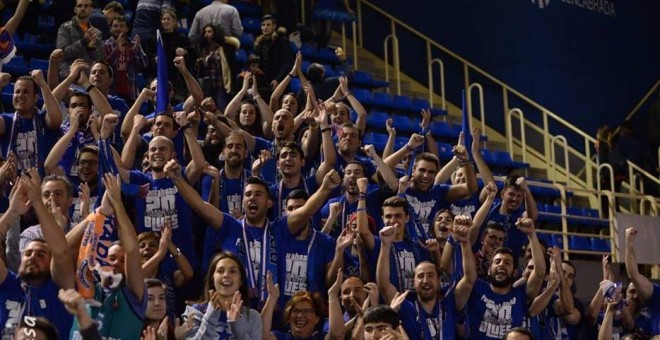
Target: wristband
{"type": "Point", "coordinates": [424, 131]}
{"type": "Point", "coordinates": [348, 94]}
{"type": "Point", "coordinates": [184, 127]}
{"type": "Point", "coordinates": [464, 163]}
{"type": "Point", "coordinates": [291, 75]}
{"type": "Point", "coordinates": [410, 147]}
{"type": "Point", "coordinates": [178, 253]}
{"type": "Point", "coordinates": [361, 209]}
{"type": "Point", "coordinates": [90, 87]}
{"type": "Point", "coordinates": [362, 196]}
{"type": "Point", "coordinates": [325, 129]}
{"type": "Point", "coordinates": [256, 97]}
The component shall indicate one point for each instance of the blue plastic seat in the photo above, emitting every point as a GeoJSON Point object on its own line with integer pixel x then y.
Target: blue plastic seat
{"type": "Point", "coordinates": [308, 52]}
{"type": "Point", "coordinates": [445, 151]}
{"type": "Point", "coordinates": [8, 95]}
{"type": "Point", "coordinates": [400, 142]}
{"type": "Point", "coordinates": [441, 129]}
{"type": "Point", "coordinates": [558, 240]}
{"type": "Point", "coordinates": [241, 56]}
{"type": "Point", "coordinates": [382, 100]}
{"type": "Point", "coordinates": [405, 123]}
{"type": "Point", "coordinates": [378, 140]}
{"type": "Point", "coordinates": [579, 243]}
{"type": "Point", "coordinates": [329, 71]}
{"type": "Point", "coordinates": [327, 55]}
{"type": "Point", "coordinates": [295, 85]}
{"type": "Point", "coordinates": [402, 103]}
{"type": "Point", "coordinates": [40, 64]}
{"type": "Point", "coordinates": [419, 104]}
{"type": "Point", "coordinates": [16, 66]}
{"type": "Point", "coordinates": [252, 25]}
{"type": "Point", "coordinates": [601, 244]}
{"type": "Point", "coordinates": [247, 41]}
{"type": "Point", "coordinates": [46, 23]}
{"type": "Point", "coordinates": [246, 9]}
{"type": "Point", "coordinates": [362, 95]}
{"type": "Point", "coordinates": [362, 79]}
{"type": "Point", "coordinates": [376, 119]}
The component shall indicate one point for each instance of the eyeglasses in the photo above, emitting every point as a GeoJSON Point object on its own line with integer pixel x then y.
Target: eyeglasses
{"type": "Point", "coordinates": [87, 162]}
{"type": "Point", "coordinates": [306, 311]}
{"type": "Point", "coordinates": [84, 5]}
{"type": "Point", "coordinates": [77, 105]}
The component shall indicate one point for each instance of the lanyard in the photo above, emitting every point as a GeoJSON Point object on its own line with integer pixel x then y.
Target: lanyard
{"type": "Point", "coordinates": [254, 281]}
{"type": "Point", "coordinates": [12, 142]}
{"type": "Point", "coordinates": [279, 194]}
{"type": "Point", "coordinates": [399, 270]}
{"type": "Point", "coordinates": [421, 324]}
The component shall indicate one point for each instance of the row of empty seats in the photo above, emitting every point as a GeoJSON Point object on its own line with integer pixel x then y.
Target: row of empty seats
{"type": "Point", "coordinates": [578, 243]}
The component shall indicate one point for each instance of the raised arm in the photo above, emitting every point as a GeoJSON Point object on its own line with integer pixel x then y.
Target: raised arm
{"type": "Point", "coordinates": [335, 314]}
{"type": "Point", "coordinates": [234, 105]}
{"type": "Point", "coordinates": [197, 162]}
{"type": "Point", "coordinates": [208, 212]}
{"type": "Point", "coordinates": [53, 75]}
{"type": "Point", "coordinates": [445, 173]}
{"type": "Point", "coordinates": [327, 144]}
{"type": "Point", "coordinates": [150, 267]}
{"type": "Point", "coordinates": [395, 158]}
{"type": "Point", "coordinates": [133, 270]}
{"type": "Point", "coordinates": [192, 84]}
{"type": "Point", "coordinates": [274, 102]}
{"type": "Point", "coordinates": [269, 306]}
{"type": "Point", "coordinates": [526, 225]}
{"type": "Point", "coordinates": [264, 111]}
{"type": "Point", "coordinates": [361, 121]}
{"type": "Point", "coordinates": [391, 136]}
{"type": "Point", "coordinates": [482, 213]}
{"type": "Point", "coordinates": [60, 263]}
{"type": "Point", "coordinates": [464, 286]}
{"type": "Point", "coordinates": [77, 67]}
{"type": "Point", "coordinates": [302, 215]}
{"type": "Point", "coordinates": [127, 124]}
{"type": "Point", "coordinates": [15, 20]}
{"type": "Point", "coordinates": [53, 112]}
{"type": "Point", "coordinates": [605, 331]}
{"type": "Point", "coordinates": [530, 202]}
{"type": "Point", "coordinates": [385, 171]}
{"type": "Point", "coordinates": [387, 289]}
{"type": "Point", "coordinates": [565, 305]}
{"type": "Point", "coordinates": [57, 152]}
{"type": "Point", "coordinates": [459, 191]}
{"type": "Point", "coordinates": [100, 101]}
{"type": "Point", "coordinates": [344, 241]}
{"type": "Point", "coordinates": [643, 285]}
{"type": "Point", "coordinates": [482, 167]}
{"type": "Point", "coordinates": [362, 219]}
{"type": "Point", "coordinates": [128, 153]}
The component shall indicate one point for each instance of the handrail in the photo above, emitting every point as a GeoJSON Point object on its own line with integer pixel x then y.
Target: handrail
{"type": "Point", "coordinates": [658, 156]}
{"type": "Point", "coordinates": [442, 80]}
{"type": "Point", "coordinates": [509, 131]}
{"type": "Point", "coordinates": [639, 104]}
{"type": "Point", "coordinates": [554, 163]}
{"type": "Point", "coordinates": [481, 106]}
{"type": "Point", "coordinates": [637, 179]}
{"type": "Point", "coordinates": [600, 167]}
{"type": "Point", "coordinates": [651, 200]}
{"type": "Point", "coordinates": [354, 42]}
{"type": "Point", "coordinates": [397, 69]}
{"type": "Point", "coordinates": [632, 166]}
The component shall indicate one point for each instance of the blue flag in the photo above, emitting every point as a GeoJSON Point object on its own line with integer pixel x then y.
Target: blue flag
{"type": "Point", "coordinates": [467, 134]}
{"type": "Point", "coordinates": [162, 95]}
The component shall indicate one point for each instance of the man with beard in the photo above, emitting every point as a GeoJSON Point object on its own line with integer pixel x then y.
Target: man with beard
{"type": "Point", "coordinates": [79, 39]}
{"type": "Point", "coordinates": [403, 253]}
{"type": "Point", "coordinates": [507, 211]}
{"type": "Point", "coordinates": [255, 239]}
{"type": "Point", "coordinates": [233, 175]}
{"type": "Point", "coordinates": [496, 306]}
{"type": "Point", "coordinates": [162, 200]}
{"type": "Point", "coordinates": [45, 266]}
{"type": "Point", "coordinates": [28, 131]}
{"type": "Point", "coordinates": [353, 173]}
{"type": "Point", "coordinates": [348, 147]}
{"type": "Point", "coordinates": [121, 293]}
{"type": "Point", "coordinates": [431, 315]}
{"type": "Point", "coordinates": [425, 197]}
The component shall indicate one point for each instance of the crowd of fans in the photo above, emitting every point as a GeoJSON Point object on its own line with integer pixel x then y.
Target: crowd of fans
{"type": "Point", "coordinates": [242, 211]}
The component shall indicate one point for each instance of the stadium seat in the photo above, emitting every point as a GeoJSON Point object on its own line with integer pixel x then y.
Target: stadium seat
{"type": "Point", "coordinates": [579, 243]}
{"type": "Point", "coordinates": [295, 85]}
{"type": "Point", "coordinates": [378, 140]}
{"type": "Point", "coordinates": [601, 244]}
{"type": "Point", "coordinates": [241, 56]}
{"type": "Point", "coordinates": [16, 66]}
{"type": "Point", "coordinates": [328, 56]}
{"type": "Point", "coordinates": [362, 95]}
{"type": "Point", "coordinates": [41, 64]}
{"type": "Point", "coordinates": [247, 41]}
{"type": "Point", "coordinates": [252, 25]}
{"type": "Point", "coordinates": [362, 79]}
{"type": "Point", "coordinates": [7, 95]}
{"type": "Point", "coordinates": [405, 124]}
{"type": "Point", "coordinates": [441, 129]}
{"type": "Point", "coordinates": [402, 103]}
{"type": "Point", "coordinates": [445, 151]}
{"type": "Point", "coordinates": [382, 100]}
{"type": "Point", "coordinates": [376, 119]}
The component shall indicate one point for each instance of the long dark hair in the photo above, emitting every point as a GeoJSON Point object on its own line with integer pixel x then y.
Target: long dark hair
{"type": "Point", "coordinates": [208, 280]}
{"type": "Point", "coordinates": [218, 37]}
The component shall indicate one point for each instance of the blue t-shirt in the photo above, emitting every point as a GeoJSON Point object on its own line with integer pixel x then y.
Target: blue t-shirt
{"type": "Point", "coordinates": [306, 262]}
{"type": "Point", "coordinates": [69, 161]}
{"type": "Point", "coordinates": [349, 210]}
{"type": "Point", "coordinates": [466, 206]}
{"type": "Point", "coordinates": [515, 239]}
{"type": "Point", "coordinates": [279, 193]}
{"type": "Point", "coordinates": [552, 325]}
{"type": "Point", "coordinates": [654, 304]}
{"type": "Point", "coordinates": [440, 324]}
{"type": "Point", "coordinates": [30, 139]}
{"type": "Point", "coordinates": [424, 205]}
{"type": "Point", "coordinates": [259, 256]}
{"type": "Point", "coordinates": [18, 301]}
{"type": "Point", "coordinates": [404, 257]}
{"type": "Point", "coordinates": [491, 315]}
{"type": "Point", "coordinates": [161, 203]}
{"type": "Point", "coordinates": [231, 191]}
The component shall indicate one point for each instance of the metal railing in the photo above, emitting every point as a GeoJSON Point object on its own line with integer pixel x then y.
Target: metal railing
{"type": "Point", "coordinates": [580, 156]}
{"type": "Point", "coordinates": [482, 112]}
{"type": "Point", "coordinates": [554, 162]}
